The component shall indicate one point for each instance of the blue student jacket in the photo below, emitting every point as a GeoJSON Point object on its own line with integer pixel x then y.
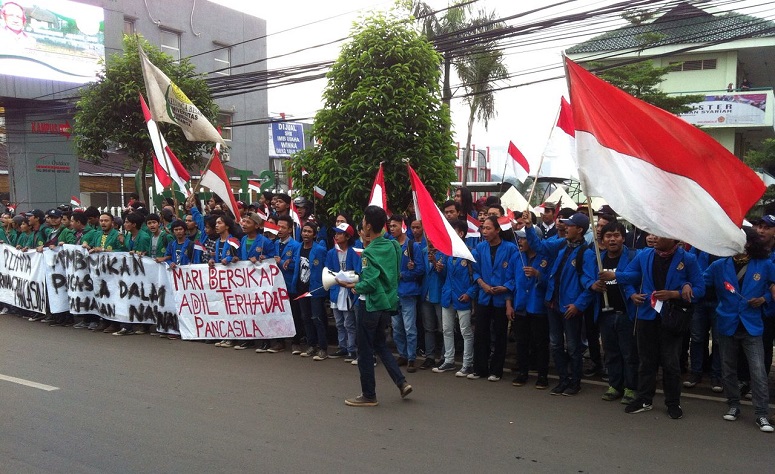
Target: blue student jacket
{"type": "Point", "coordinates": [530, 293]}
{"type": "Point", "coordinates": [733, 308]}
{"type": "Point", "coordinates": [287, 254]}
{"type": "Point", "coordinates": [574, 286]}
{"type": "Point", "coordinates": [410, 281]}
{"type": "Point", "coordinates": [626, 290]}
{"type": "Point", "coordinates": [317, 260]}
{"type": "Point", "coordinates": [261, 246]}
{"type": "Point", "coordinates": [683, 270]}
{"type": "Point", "coordinates": [499, 273]}
{"type": "Point", "coordinates": [458, 278]}
{"type": "Point", "coordinates": [432, 281]}
{"type": "Point", "coordinates": [352, 262]}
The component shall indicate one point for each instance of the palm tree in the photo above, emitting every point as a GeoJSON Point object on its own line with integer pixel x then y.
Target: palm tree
{"type": "Point", "coordinates": [478, 71]}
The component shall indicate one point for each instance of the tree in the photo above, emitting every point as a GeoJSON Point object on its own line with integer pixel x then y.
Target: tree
{"type": "Point", "coordinates": [108, 114]}
{"type": "Point", "coordinates": [763, 159]}
{"type": "Point", "coordinates": [478, 71]}
{"type": "Point", "coordinates": [642, 80]}
{"type": "Point", "coordinates": [381, 104]}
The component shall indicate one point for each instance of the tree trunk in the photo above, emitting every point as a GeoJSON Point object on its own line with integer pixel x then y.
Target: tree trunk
{"type": "Point", "coordinates": [467, 149]}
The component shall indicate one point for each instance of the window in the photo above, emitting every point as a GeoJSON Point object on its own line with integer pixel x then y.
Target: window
{"type": "Point", "coordinates": [129, 26]}
{"type": "Point", "coordinates": [693, 65]}
{"type": "Point", "coordinates": [222, 58]}
{"type": "Point", "coordinates": [224, 121]}
{"type": "Point", "coordinates": [170, 43]}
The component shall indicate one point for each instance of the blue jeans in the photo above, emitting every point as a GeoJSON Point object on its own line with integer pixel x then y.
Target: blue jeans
{"type": "Point", "coordinates": [704, 320]}
{"type": "Point", "coordinates": [565, 344]}
{"type": "Point", "coordinates": [405, 327]}
{"type": "Point", "coordinates": [431, 321]}
{"type": "Point", "coordinates": [371, 342]}
{"type": "Point", "coordinates": [621, 353]}
{"type": "Point", "coordinates": [754, 353]}
{"type": "Point", "coordinates": [345, 329]}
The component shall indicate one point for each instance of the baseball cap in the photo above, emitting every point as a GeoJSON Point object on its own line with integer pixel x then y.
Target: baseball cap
{"type": "Point", "coordinates": [768, 220]}
{"type": "Point", "coordinates": [346, 228]}
{"type": "Point", "coordinates": [55, 213]}
{"type": "Point", "coordinates": [521, 234]}
{"type": "Point", "coordinates": [578, 219]}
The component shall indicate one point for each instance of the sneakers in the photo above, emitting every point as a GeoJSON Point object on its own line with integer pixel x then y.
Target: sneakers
{"type": "Point", "coordinates": [406, 389]}
{"type": "Point", "coordinates": [140, 331]}
{"type": "Point", "coordinates": [93, 326]}
{"type": "Point", "coordinates": [123, 332]}
{"type": "Point", "coordinates": [732, 414]}
{"type": "Point", "coordinates": [519, 380]}
{"type": "Point", "coordinates": [444, 367]}
{"type": "Point", "coordinates": [295, 349]}
{"type": "Point", "coordinates": [693, 380]}
{"type": "Point", "coordinates": [560, 387]}
{"type": "Point", "coordinates": [81, 325]}
{"type": "Point", "coordinates": [573, 389]}
{"type": "Point", "coordinates": [243, 345]}
{"type": "Point", "coordinates": [473, 376]}
{"type": "Point", "coordinates": [4, 310]}
{"type": "Point", "coordinates": [311, 351]}
{"type": "Point", "coordinates": [628, 397]}
{"type": "Point", "coordinates": [428, 363]}
{"type": "Point", "coordinates": [716, 385]}
{"type": "Point", "coordinates": [593, 371]}
{"type": "Point", "coordinates": [112, 328]}
{"type": "Point", "coordinates": [676, 412]}
{"type": "Point", "coordinates": [276, 347]}
{"type": "Point", "coordinates": [764, 424]}
{"type": "Point", "coordinates": [351, 357]}
{"type": "Point", "coordinates": [338, 354]}
{"type": "Point", "coordinates": [361, 401]}
{"type": "Point", "coordinates": [611, 394]}
{"type": "Point", "coordinates": [263, 347]}
{"type": "Point", "coordinates": [227, 344]}
{"type": "Point", "coordinates": [542, 383]}
{"type": "Point", "coordinates": [321, 355]}
{"type": "Point", "coordinates": [410, 367]}
{"type": "Point", "coordinates": [638, 406]}
{"type": "Point", "coordinates": [464, 372]}
{"type": "Point", "coordinates": [493, 378]}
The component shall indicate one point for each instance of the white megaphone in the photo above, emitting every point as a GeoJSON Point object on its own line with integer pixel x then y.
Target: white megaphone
{"type": "Point", "coordinates": [329, 277]}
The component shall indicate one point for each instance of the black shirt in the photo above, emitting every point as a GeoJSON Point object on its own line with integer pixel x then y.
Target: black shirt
{"type": "Point", "coordinates": [302, 284]}
{"type": "Point", "coordinates": [615, 295]}
{"type": "Point", "coordinates": [659, 270]}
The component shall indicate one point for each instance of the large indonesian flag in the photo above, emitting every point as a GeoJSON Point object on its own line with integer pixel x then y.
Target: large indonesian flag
{"type": "Point", "coordinates": [559, 157]}
{"type": "Point", "coordinates": [437, 228]}
{"type": "Point", "coordinates": [169, 104]}
{"type": "Point", "coordinates": [657, 171]}
{"type": "Point", "coordinates": [216, 179]}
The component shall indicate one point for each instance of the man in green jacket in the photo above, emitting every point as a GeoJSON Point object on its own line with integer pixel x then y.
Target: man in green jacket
{"type": "Point", "coordinates": [378, 290]}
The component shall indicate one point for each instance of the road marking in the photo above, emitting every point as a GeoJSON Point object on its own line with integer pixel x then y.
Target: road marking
{"type": "Point", "coordinates": [28, 383]}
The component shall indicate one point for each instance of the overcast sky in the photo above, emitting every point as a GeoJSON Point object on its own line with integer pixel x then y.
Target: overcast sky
{"type": "Point", "coordinates": [525, 114]}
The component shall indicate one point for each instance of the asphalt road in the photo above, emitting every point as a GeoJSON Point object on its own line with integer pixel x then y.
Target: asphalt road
{"type": "Point", "coordinates": [140, 404]}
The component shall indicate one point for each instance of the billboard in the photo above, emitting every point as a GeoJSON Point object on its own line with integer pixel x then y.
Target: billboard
{"type": "Point", "coordinates": [57, 40]}
{"type": "Point", "coordinates": [285, 138]}
{"type": "Point", "coordinates": [732, 109]}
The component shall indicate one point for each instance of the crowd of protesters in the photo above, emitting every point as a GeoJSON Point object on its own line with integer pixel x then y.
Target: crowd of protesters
{"type": "Point", "coordinates": [643, 303]}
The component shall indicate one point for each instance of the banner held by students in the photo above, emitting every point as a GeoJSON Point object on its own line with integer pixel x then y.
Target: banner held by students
{"type": "Point", "coordinates": [658, 172]}
{"type": "Point", "coordinates": [241, 301]}
{"type": "Point", "coordinates": [22, 279]}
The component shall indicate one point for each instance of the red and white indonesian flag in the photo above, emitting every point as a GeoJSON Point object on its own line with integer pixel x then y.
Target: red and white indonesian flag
{"type": "Point", "coordinates": [437, 228]}
{"type": "Point", "coordinates": [216, 179]}
{"type": "Point", "coordinates": [660, 173]}
{"type": "Point", "coordinates": [559, 157]}
{"type": "Point", "coordinates": [319, 192]}
{"type": "Point", "coordinates": [473, 227]}
{"type": "Point", "coordinates": [271, 227]}
{"type": "Point", "coordinates": [378, 196]}
{"type": "Point", "coordinates": [166, 166]}
{"type": "Point", "coordinates": [74, 201]}
{"type": "Point", "coordinates": [169, 104]}
{"type": "Point", "coordinates": [519, 165]}
{"type": "Point", "coordinates": [254, 185]}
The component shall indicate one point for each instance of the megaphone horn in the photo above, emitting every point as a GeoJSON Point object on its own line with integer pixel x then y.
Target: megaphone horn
{"type": "Point", "coordinates": [329, 278]}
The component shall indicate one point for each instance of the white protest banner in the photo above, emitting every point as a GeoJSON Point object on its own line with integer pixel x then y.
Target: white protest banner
{"type": "Point", "coordinates": [118, 286]}
{"type": "Point", "coordinates": [22, 279]}
{"type": "Point", "coordinates": [239, 301]}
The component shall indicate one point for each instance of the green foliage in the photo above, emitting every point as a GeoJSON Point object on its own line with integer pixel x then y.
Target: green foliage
{"type": "Point", "coordinates": [762, 158]}
{"type": "Point", "coordinates": [642, 80]}
{"type": "Point", "coordinates": [108, 114]}
{"type": "Point", "coordinates": [381, 104]}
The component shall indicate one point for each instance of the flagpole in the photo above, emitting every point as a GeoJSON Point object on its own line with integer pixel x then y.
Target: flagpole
{"type": "Point", "coordinates": [540, 164]}
{"type": "Point", "coordinates": [207, 166]}
{"type": "Point", "coordinates": [169, 172]}
{"type": "Point", "coordinates": [589, 198]}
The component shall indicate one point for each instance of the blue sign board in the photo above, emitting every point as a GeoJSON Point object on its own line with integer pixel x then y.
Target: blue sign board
{"type": "Point", "coordinates": [287, 138]}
